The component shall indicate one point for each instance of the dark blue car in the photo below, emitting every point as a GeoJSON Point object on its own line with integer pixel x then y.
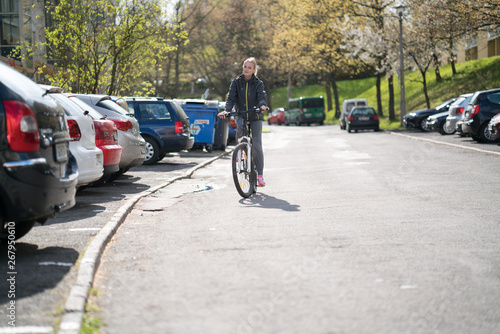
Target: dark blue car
{"type": "Point", "coordinates": [164, 126]}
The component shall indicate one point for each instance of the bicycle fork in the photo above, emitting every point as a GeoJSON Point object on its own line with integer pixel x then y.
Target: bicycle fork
{"type": "Point", "coordinates": [248, 153]}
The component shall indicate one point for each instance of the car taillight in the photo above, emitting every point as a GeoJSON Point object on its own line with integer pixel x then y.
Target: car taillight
{"type": "Point", "coordinates": [301, 111]}
{"type": "Point", "coordinates": [233, 122]}
{"type": "Point", "coordinates": [375, 117]}
{"type": "Point", "coordinates": [351, 118]}
{"type": "Point", "coordinates": [179, 127]}
{"type": "Point", "coordinates": [474, 111]}
{"type": "Point", "coordinates": [103, 133]}
{"type": "Point", "coordinates": [459, 110]}
{"type": "Point", "coordinates": [74, 130]}
{"type": "Point", "coordinates": [123, 125]}
{"type": "Point", "coordinates": [22, 127]}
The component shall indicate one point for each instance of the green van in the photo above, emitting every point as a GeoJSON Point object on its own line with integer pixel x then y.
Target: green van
{"type": "Point", "coordinates": [305, 110]}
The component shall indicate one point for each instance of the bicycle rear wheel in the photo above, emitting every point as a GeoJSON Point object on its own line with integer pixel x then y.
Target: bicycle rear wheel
{"type": "Point", "coordinates": [243, 180]}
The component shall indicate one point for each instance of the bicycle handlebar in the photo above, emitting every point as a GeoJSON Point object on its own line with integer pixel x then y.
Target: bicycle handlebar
{"type": "Point", "coordinates": [241, 112]}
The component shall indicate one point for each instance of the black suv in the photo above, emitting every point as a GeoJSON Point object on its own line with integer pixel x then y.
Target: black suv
{"type": "Point", "coordinates": [482, 107]}
{"type": "Point", "coordinates": [163, 124]}
{"type": "Point", "coordinates": [38, 175]}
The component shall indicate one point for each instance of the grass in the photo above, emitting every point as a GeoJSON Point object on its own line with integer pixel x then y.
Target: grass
{"type": "Point", "coordinates": [471, 76]}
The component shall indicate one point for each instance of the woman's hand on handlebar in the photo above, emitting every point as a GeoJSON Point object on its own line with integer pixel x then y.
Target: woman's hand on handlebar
{"type": "Point", "coordinates": [223, 114]}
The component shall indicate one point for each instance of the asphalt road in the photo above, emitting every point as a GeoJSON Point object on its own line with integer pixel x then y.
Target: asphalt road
{"type": "Point", "coordinates": [354, 233]}
{"type": "Point", "coordinates": [47, 259]}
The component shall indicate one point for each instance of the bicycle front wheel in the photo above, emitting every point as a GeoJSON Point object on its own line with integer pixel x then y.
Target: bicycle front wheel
{"type": "Point", "coordinates": [244, 181]}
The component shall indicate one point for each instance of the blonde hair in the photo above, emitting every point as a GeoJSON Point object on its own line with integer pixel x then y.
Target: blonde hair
{"type": "Point", "coordinates": [253, 61]}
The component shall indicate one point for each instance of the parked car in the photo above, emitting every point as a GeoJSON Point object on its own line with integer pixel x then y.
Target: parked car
{"type": "Point", "coordinates": [437, 122]}
{"type": "Point", "coordinates": [39, 175]}
{"type": "Point", "coordinates": [494, 126]}
{"type": "Point", "coordinates": [163, 124]}
{"type": "Point", "coordinates": [362, 118]}
{"type": "Point", "coordinates": [347, 105]}
{"type": "Point", "coordinates": [483, 105]}
{"type": "Point", "coordinates": [82, 144]}
{"type": "Point", "coordinates": [106, 138]}
{"type": "Point", "coordinates": [456, 112]}
{"type": "Point", "coordinates": [277, 116]}
{"type": "Point", "coordinates": [129, 137]}
{"type": "Point", "coordinates": [418, 119]}
{"type": "Point", "coordinates": [305, 110]}
{"type": "Point", "coordinates": [459, 129]}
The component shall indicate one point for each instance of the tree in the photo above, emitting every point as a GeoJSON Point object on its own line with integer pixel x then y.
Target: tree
{"type": "Point", "coordinates": [367, 39]}
{"type": "Point", "coordinates": [104, 45]}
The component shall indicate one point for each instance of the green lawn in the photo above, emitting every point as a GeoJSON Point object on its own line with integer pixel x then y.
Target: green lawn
{"type": "Point", "coordinates": [471, 76]}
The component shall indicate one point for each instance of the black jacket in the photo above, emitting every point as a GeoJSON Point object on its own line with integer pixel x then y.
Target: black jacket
{"type": "Point", "coordinates": [244, 95]}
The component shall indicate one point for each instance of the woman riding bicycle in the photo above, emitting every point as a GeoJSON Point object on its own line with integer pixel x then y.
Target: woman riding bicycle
{"type": "Point", "coordinates": [245, 92]}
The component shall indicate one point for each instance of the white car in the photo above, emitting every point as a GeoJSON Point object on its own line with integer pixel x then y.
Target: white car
{"type": "Point", "coordinates": [82, 145]}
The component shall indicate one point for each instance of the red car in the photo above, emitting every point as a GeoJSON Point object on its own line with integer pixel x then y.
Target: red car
{"type": "Point", "coordinates": [276, 117]}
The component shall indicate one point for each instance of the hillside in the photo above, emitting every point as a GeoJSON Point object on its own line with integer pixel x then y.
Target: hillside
{"type": "Point", "coordinates": [471, 76]}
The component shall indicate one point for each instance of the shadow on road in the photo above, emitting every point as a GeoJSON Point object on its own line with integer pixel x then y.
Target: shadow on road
{"type": "Point", "coordinates": [269, 202]}
{"type": "Point", "coordinates": [36, 269]}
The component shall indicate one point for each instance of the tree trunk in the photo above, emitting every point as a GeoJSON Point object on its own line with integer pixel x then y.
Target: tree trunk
{"type": "Point", "coordinates": [453, 68]}
{"type": "Point", "coordinates": [392, 112]}
{"type": "Point", "coordinates": [436, 68]}
{"type": "Point", "coordinates": [336, 97]}
{"type": "Point", "coordinates": [424, 83]}
{"type": "Point", "coordinates": [379, 96]}
{"type": "Point", "coordinates": [328, 88]}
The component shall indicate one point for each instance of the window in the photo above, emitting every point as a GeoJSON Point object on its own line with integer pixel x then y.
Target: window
{"type": "Point", "coordinates": [494, 98]}
{"type": "Point", "coordinates": [313, 103]}
{"type": "Point", "coordinates": [154, 111]}
{"type": "Point", "coordinates": [9, 26]}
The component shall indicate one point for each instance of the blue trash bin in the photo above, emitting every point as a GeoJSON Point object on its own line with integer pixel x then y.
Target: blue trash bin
{"type": "Point", "coordinates": [202, 117]}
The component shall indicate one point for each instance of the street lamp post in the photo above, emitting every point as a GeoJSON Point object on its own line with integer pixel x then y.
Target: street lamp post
{"type": "Point", "coordinates": [402, 106]}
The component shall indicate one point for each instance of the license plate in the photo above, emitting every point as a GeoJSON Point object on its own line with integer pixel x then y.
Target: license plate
{"type": "Point", "coordinates": [61, 151]}
{"type": "Point", "coordinates": [364, 118]}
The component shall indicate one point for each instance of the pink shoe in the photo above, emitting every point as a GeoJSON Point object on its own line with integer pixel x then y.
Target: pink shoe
{"type": "Point", "coordinates": [260, 181]}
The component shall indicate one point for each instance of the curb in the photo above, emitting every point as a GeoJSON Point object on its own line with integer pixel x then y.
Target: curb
{"type": "Point", "coordinates": [478, 150]}
{"type": "Point", "coordinates": [74, 307]}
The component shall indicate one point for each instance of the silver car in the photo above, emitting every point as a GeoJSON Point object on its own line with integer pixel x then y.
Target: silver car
{"type": "Point", "coordinates": [456, 112]}
{"type": "Point", "coordinates": [129, 137]}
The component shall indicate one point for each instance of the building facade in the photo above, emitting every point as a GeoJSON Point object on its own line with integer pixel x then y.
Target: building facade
{"type": "Point", "coordinates": [22, 23]}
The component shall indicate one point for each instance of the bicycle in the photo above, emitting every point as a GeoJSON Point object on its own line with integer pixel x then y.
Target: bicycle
{"type": "Point", "coordinates": [243, 165]}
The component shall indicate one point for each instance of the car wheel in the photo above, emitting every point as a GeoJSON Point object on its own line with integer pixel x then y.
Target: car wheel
{"type": "Point", "coordinates": [279, 122]}
{"type": "Point", "coordinates": [444, 129]}
{"type": "Point", "coordinates": [152, 151]}
{"type": "Point", "coordinates": [161, 156]}
{"type": "Point", "coordinates": [423, 125]}
{"type": "Point", "coordinates": [485, 135]}
{"type": "Point", "coordinates": [348, 128]}
{"type": "Point", "coordinates": [268, 122]}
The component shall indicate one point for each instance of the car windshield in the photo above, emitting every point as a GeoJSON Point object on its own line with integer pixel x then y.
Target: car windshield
{"type": "Point", "coordinates": [70, 109]}
{"type": "Point", "coordinates": [110, 105]}
{"type": "Point", "coordinates": [443, 105]}
{"type": "Point", "coordinates": [312, 103]}
{"type": "Point", "coordinates": [85, 107]}
{"type": "Point", "coordinates": [363, 111]}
